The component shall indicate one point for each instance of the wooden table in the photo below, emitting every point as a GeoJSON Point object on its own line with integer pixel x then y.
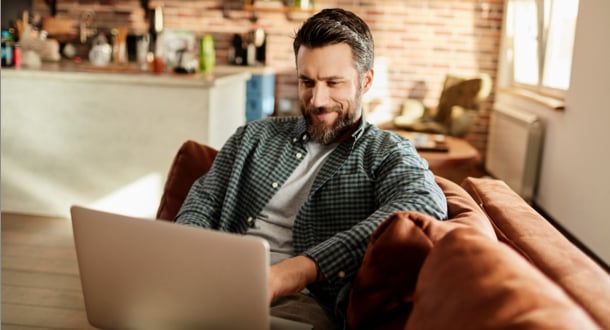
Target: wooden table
{"type": "Point", "coordinates": [457, 163]}
{"type": "Point", "coordinates": [460, 152]}
{"type": "Point", "coordinates": [40, 283]}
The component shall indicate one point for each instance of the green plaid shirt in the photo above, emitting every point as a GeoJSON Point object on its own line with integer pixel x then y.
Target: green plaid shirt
{"type": "Point", "coordinates": [364, 180]}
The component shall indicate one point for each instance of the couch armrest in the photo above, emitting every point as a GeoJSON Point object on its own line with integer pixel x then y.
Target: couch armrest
{"type": "Point", "coordinates": [517, 224]}
{"type": "Point", "coordinates": [469, 281]}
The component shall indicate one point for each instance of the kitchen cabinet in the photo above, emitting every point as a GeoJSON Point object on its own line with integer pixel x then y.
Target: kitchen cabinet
{"type": "Point", "coordinates": [106, 140]}
{"type": "Point", "coordinates": [260, 90]}
{"type": "Point", "coordinates": [260, 96]}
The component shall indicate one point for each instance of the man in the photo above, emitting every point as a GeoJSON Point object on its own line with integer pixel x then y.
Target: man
{"type": "Point", "coordinates": [315, 186]}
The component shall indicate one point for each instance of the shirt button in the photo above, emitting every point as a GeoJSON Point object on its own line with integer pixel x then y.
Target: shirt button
{"type": "Point", "coordinates": [275, 185]}
{"type": "Point", "coordinates": [294, 139]}
{"type": "Point", "coordinates": [250, 219]}
{"type": "Point", "coordinates": [305, 137]}
{"type": "Point", "coordinates": [299, 155]}
{"type": "Point", "coordinates": [341, 274]}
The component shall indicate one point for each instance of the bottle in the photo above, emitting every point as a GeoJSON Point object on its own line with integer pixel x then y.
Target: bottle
{"type": "Point", "coordinates": [303, 4]}
{"type": "Point", "coordinates": [251, 54]}
{"type": "Point", "coordinates": [207, 55]}
{"type": "Point", "coordinates": [17, 56]}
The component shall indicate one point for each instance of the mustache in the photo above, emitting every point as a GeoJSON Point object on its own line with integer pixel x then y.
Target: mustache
{"type": "Point", "coordinates": [321, 110]}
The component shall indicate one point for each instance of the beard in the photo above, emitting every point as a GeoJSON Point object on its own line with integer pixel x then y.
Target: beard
{"type": "Point", "coordinates": [346, 119]}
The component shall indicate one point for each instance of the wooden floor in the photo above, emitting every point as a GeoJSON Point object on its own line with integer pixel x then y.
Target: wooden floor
{"type": "Point", "coordinates": [40, 283]}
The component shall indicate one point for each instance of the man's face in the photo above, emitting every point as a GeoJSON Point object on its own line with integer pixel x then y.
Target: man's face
{"type": "Point", "coordinates": [330, 91]}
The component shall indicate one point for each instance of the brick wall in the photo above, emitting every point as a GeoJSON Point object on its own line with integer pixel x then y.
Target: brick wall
{"type": "Point", "coordinates": [418, 42]}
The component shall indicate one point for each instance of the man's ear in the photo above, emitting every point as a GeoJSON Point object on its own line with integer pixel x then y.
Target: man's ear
{"type": "Point", "coordinates": [367, 80]}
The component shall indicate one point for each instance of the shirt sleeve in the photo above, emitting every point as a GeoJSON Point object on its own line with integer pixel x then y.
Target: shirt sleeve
{"type": "Point", "coordinates": [203, 203]}
{"type": "Point", "coordinates": [402, 182]}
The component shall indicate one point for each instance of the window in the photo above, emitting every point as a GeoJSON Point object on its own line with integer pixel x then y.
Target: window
{"type": "Point", "coordinates": [540, 38]}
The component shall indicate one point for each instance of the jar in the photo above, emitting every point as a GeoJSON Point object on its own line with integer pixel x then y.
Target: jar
{"type": "Point", "coordinates": [101, 52]}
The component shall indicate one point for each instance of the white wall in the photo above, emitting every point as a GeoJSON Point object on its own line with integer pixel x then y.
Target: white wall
{"type": "Point", "coordinates": [574, 182]}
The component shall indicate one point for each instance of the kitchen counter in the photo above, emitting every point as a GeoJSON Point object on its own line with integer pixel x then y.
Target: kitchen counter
{"type": "Point", "coordinates": [106, 139]}
{"type": "Point", "coordinates": [131, 74]}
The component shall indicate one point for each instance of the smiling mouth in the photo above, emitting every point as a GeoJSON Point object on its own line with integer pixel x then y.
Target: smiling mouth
{"type": "Point", "coordinates": [322, 112]}
{"type": "Point", "coordinates": [322, 116]}
{"type": "Point", "coordinates": [323, 119]}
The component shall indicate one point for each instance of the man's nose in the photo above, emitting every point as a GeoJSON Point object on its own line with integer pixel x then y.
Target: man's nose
{"type": "Point", "coordinates": [319, 96]}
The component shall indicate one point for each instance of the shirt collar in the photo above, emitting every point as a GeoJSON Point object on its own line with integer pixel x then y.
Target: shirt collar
{"type": "Point", "coordinates": [360, 131]}
{"type": "Point", "coordinates": [300, 134]}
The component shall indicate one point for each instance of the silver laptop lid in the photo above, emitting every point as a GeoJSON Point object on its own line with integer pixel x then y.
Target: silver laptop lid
{"type": "Point", "coordinates": [147, 274]}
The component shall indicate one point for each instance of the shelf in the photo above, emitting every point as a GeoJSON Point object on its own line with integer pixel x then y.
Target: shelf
{"type": "Point", "coordinates": [253, 10]}
{"type": "Point", "coordinates": [278, 9]}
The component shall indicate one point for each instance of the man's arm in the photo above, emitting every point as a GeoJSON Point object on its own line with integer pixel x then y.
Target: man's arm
{"type": "Point", "coordinates": [203, 203]}
{"type": "Point", "coordinates": [291, 276]}
{"type": "Point", "coordinates": [402, 182]}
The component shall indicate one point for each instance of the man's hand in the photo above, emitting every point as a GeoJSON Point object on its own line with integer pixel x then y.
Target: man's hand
{"type": "Point", "coordinates": [291, 276]}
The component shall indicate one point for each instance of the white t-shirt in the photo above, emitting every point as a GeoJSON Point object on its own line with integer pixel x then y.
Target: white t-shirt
{"type": "Point", "coordinates": [276, 219]}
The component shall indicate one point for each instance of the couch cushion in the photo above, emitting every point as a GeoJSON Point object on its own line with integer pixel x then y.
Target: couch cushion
{"type": "Point", "coordinates": [382, 291]}
{"type": "Point", "coordinates": [520, 226]}
{"type": "Point", "coordinates": [191, 162]}
{"type": "Point", "coordinates": [464, 210]}
{"type": "Point", "coordinates": [471, 282]}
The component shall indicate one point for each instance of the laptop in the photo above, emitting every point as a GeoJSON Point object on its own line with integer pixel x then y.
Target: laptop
{"type": "Point", "coordinates": [145, 274]}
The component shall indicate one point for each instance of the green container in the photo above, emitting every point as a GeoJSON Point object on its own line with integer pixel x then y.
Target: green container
{"type": "Point", "coordinates": [207, 54]}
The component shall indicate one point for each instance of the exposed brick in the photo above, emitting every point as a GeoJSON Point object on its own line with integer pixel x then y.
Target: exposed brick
{"type": "Point", "coordinates": [418, 42]}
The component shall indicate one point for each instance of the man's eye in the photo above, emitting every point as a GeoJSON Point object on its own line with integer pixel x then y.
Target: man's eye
{"type": "Point", "coordinates": [307, 83]}
{"type": "Point", "coordinates": [332, 83]}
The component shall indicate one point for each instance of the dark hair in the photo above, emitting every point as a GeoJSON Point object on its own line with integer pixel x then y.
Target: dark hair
{"type": "Point", "coordinates": [336, 25]}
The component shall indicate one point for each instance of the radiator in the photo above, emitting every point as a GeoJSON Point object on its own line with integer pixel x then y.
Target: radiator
{"type": "Point", "coordinates": [514, 148]}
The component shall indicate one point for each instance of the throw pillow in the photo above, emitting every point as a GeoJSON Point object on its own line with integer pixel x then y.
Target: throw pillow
{"type": "Point", "coordinates": [382, 292]}
{"type": "Point", "coordinates": [191, 162]}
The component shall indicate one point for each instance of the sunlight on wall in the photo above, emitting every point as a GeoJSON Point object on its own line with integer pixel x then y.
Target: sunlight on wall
{"type": "Point", "coordinates": [139, 198]}
{"type": "Point", "coordinates": [28, 191]}
{"type": "Point", "coordinates": [377, 100]}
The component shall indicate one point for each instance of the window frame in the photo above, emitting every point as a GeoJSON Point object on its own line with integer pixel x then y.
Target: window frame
{"type": "Point", "coordinates": [543, 25]}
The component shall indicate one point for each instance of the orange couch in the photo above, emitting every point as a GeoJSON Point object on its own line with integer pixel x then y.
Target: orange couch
{"type": "Point", "coordinates": [496, 263]}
